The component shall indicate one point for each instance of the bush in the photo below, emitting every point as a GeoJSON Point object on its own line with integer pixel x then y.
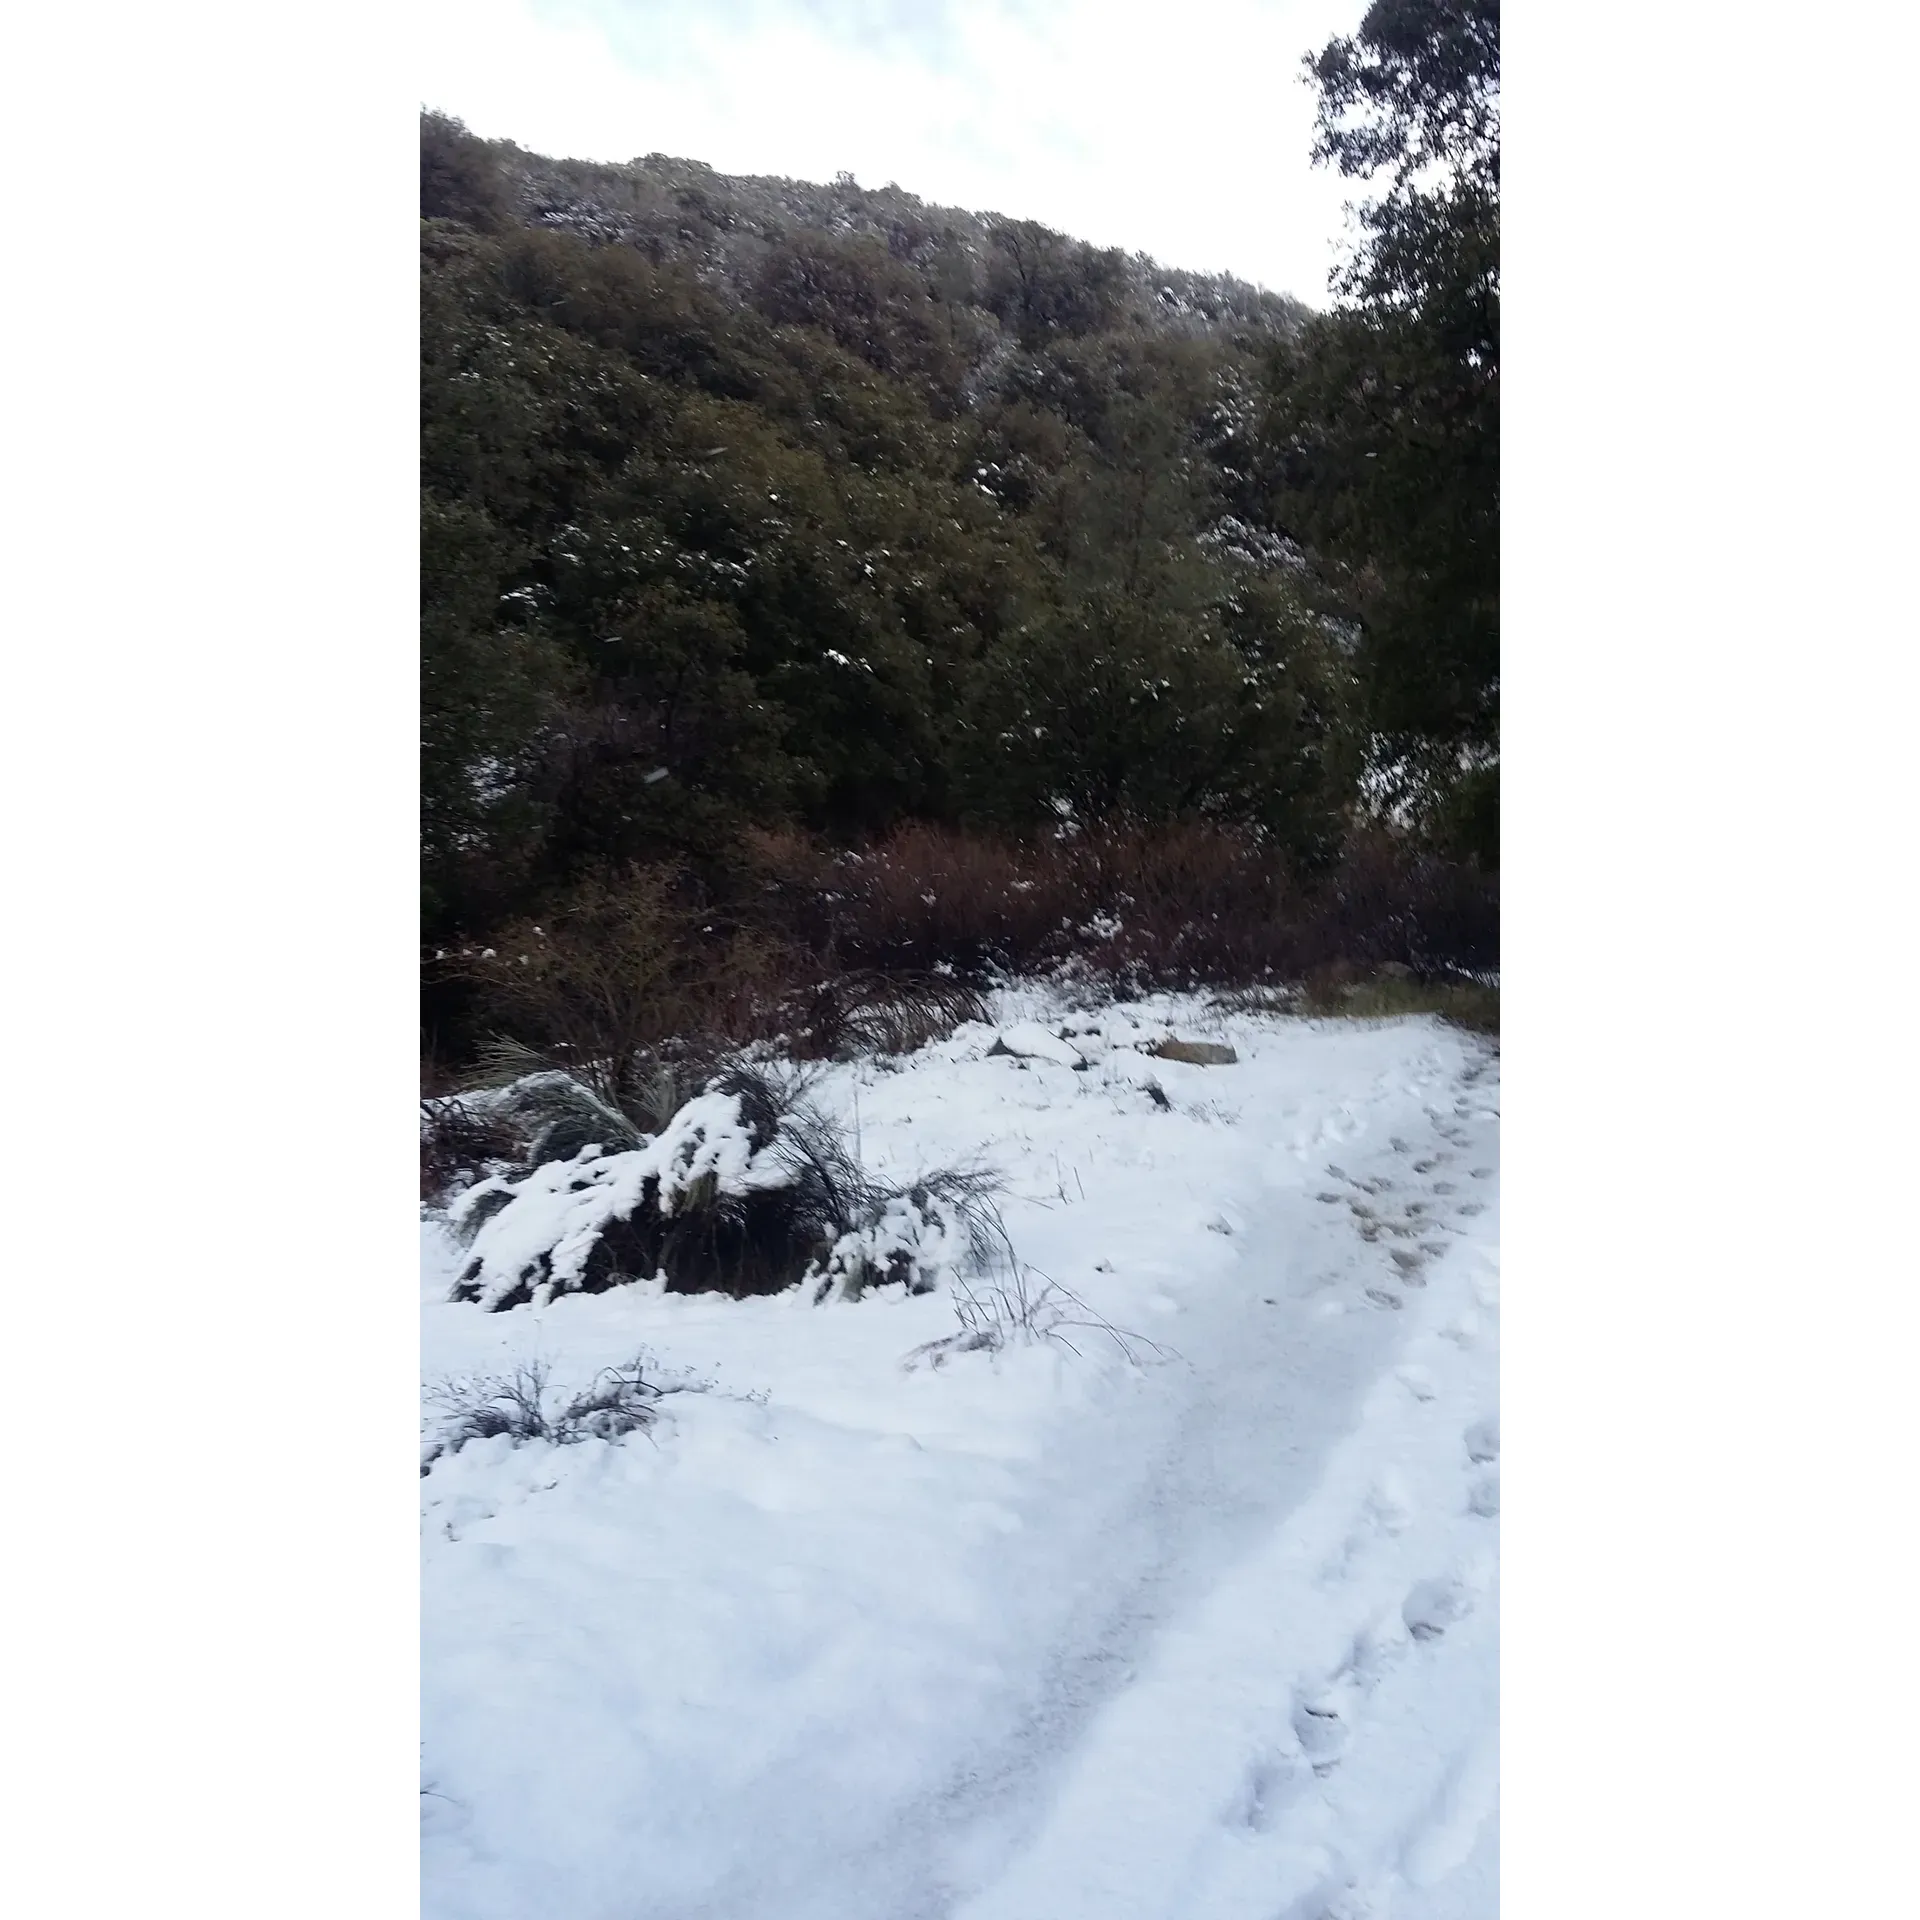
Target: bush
{"type": "Point", "coordinates": [1390, 901]}
{"type": "Point", "coordinates": [612, 1009]}
{"type": "Point", "coordinates": [460, 1141]}
{"type": "Point", "coordinates": [747, 1190]}
{"type": "Point", "coordinates": [1171, 906]}
{"type": "Point", "coordinates": [921, 899]}
{"type": "Point", "coordinates": [850, 1015]}
{"type": "Point", "coordinates": [624, 981]}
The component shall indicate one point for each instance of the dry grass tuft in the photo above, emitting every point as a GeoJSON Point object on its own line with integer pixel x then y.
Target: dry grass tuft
{"type": "Point", "coordinates": [1464, 1003]}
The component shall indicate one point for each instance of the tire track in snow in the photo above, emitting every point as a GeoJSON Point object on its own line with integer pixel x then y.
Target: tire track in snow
{"type": "Point", "coordinates": [1312, 1739]}
{"type": "Point", "coordinates": [1191, 1484]}
{"type": "Point", "coordinates": [1278, 1359]}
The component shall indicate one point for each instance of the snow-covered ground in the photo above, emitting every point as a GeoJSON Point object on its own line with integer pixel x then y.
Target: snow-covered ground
{"type": "Point", "coordinates": [1204, 1629]}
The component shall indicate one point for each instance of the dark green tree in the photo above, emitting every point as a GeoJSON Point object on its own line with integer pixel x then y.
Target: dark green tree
{"type": "Point", "coordinates": [493, 684]}
{"type": "Point", "coordinates": [1381, 441]}
{"type": "Point", "coordinates": [1042, 285]}
{"type": "Point", "coordinates": [459, 176]}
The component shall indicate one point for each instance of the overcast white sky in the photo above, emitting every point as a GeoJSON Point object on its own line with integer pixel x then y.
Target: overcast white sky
{"type": "Point", "coordinates": [1178, 128]}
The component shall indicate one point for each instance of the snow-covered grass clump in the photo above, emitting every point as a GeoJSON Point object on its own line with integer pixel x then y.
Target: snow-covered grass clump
{"type": "Point", "coordinates": [747, 1189]}
{"type": "Point", "coordinates": [523, 1406]}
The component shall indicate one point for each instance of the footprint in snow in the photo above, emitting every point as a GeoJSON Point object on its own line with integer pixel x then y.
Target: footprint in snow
{"type": "Point", "coordinates": [1483, 1440]}
{"type": "Point", "coordinates": [1483, 1173]}
{"type": "Point", "coordinates": [1388, 1510]}
{"type": "Point", "coordinates": [1435, 1605]}
{"type": "Point", "coordinates": [1382, 1298]}
{"type": "Point", "coordinates": [1352, 1902]}
{"type": "Point", "coordinates": [1483, 1497]}
{"type": "Point", "coordinates": [1375, 1186]}
{"type": "Point", "coordinates": [1445, 1187]}
{"type": "Point", "coordinates": [1272, 1781]}
{"type": "Point", "coordinates": [1471, 1208]}
{"type": "Point", "coordinates": [1410, 1263]}
{"type": "Point", "coordinates": [1398, 1145]}
{"type": "Point", "coordinates": [1376, 1647]}
{"type": "Point", "coordinates": [1322, 1724]}
{"type": "Point", "coordinates": [1385, 1514]}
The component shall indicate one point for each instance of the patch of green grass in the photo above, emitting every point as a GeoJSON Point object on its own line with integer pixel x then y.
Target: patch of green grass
{"type": "Point", "coordinates": [1476, 1008]}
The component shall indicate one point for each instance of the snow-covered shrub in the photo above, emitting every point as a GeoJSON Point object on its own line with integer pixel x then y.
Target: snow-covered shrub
{"type": "Point", "coordinates": [913, 1236]}
{"type": "Point", "coordinates": [746, 1190]}
{"type": "Point", "coordinates": [558, 1109]}
{"type": "Point", "coordinates": [618, 1401]}
{"type": "Point", "coordinates": [710, 1201]}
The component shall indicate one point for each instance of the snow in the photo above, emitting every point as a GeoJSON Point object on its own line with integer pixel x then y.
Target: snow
{"type": "Point", "coordinates": [1195, 1618]}
{"type": "Point", "coordinates": [1032, 1041]}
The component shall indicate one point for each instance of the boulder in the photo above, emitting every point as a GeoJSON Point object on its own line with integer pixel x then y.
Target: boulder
{"type": "Point", "coordinates": [1193, 1053]}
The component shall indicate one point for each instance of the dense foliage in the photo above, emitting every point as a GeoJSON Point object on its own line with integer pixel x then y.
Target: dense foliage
{"type": "Point", "coordinates": [749, 504]}
{"type": "Point", "coordinates": [1382, 430]}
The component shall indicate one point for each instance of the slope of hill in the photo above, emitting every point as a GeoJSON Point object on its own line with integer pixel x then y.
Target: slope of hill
{"type": "Point", "coordinates": [753, 503]}
{"type": "Point", "coordinates": [671, 207]}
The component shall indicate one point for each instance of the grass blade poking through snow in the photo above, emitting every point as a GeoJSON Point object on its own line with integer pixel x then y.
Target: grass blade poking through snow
{"type": "Point", "coordinates": [1007, 1303]}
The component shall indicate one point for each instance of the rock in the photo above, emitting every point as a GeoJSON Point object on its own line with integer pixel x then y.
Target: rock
{"type": "Point", "coordinates": [1194, 1053]}
{"type": "Point", "coordinates": [1030, 1041]}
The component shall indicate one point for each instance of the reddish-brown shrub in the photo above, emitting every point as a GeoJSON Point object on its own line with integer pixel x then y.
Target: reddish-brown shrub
{"type": "Point", "coordinates": [1171, 906]}
{"type": "Point", "coordinates": [878, 948]}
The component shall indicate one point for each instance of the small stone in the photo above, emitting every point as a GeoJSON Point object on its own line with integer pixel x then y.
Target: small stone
{"type": "Point", "coordinates": [1030, 1041]}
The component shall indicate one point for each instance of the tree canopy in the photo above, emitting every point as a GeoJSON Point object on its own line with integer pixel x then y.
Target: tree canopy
{"type": "Point", "coordinates": [1382, 426]}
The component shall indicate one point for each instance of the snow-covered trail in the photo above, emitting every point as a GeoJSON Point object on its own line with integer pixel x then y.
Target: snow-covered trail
{"type": "Point", "coordinates": [1037, 1637]}
{"type": "Point", "coordinates": [1307, 1727]}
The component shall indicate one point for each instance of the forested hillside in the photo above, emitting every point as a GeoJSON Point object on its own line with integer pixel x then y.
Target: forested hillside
{"type": "Point", "coordinates": [763, 521]}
